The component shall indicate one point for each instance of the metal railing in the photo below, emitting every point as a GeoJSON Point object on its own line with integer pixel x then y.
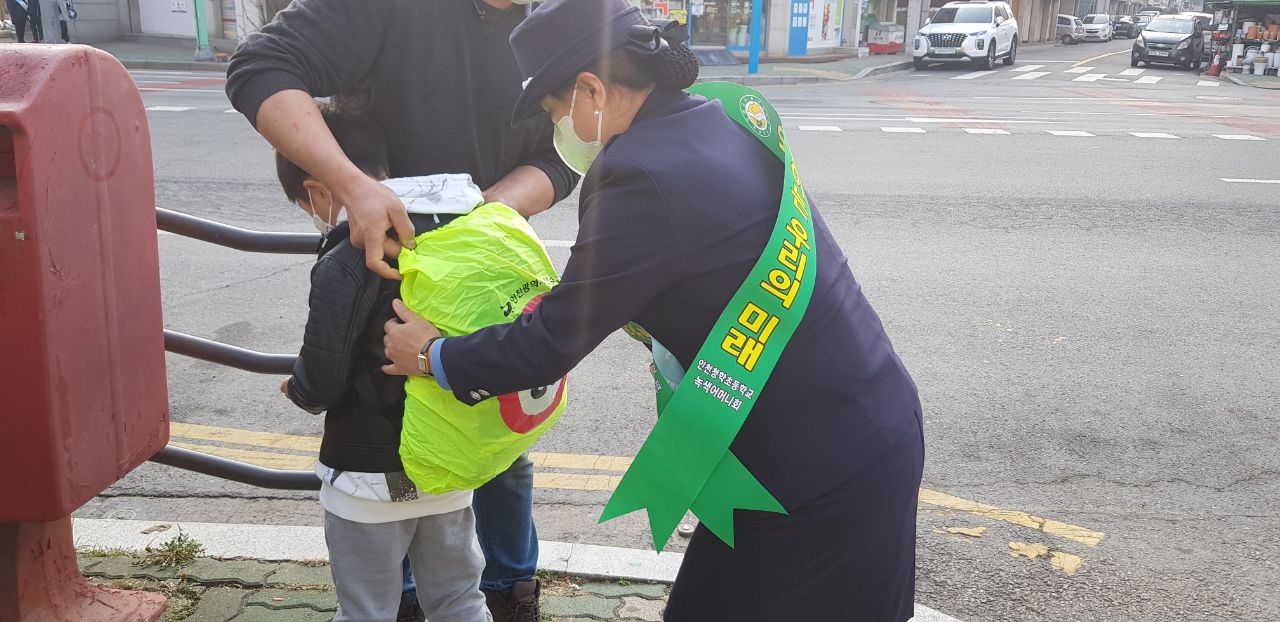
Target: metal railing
{"type": "Point", "coordinates": [232, 356]}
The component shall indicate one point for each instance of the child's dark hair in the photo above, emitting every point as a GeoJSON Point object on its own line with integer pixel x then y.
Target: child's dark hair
{"type": "Point", "coordinates": [360, 139]}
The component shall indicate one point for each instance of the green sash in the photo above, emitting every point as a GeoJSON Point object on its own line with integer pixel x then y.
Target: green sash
{"type": "Point", "coordinates": [685, 463]}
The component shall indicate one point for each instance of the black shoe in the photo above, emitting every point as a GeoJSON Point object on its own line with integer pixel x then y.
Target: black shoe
{"type": "Point", "coordinates": [519, 604]}
{"type": "Point", "coordinates": [410, 611]}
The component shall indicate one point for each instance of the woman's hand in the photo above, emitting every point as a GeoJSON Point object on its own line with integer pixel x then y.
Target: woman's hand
{"type": "Point", "coordinates": [404, 341]}
{"type": "Point", "coordinates": [284, 387]}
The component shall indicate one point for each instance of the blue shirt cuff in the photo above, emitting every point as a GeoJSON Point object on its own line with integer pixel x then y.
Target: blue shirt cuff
{"type": "Point", "coordinates": [437, 367]}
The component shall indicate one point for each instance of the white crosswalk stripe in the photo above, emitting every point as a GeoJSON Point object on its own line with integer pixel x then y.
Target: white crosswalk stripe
{"type": "Point", "coordinates": [1025, 68]}
{"type": "Point", "coordinates": [1207, 83]}
{"type": "Point", "coordinates": [1071, 133]}
{"type": "Point", "coordinates": [1079, 70]}
{"type": "Point", "coordinates": [970, 76]}
{"type": "Point", "coordinates": [985, 130]}
{"type": "Point", "coordinates": [1032, 75]}
{"type": "Point", "coordinates": [1152, 135]}
{"type": "Point", "coordinates": [1132, 72]}
{"type": "Point", "coordinates": [1237, 137]}
{"type": "Point", "coordinates": [1148, 79]}
{"type": "Point", "coordinates": [169, 108]}
{"type": "Point", "coordinates": [811, 128]}
{"type": "Point", "coordinates": [1090, 77]}
{"type": "Point", "coordinates": [902, 130]}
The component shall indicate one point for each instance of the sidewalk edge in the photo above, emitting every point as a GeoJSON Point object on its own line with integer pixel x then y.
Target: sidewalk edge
{"type": "Point", "coordinates": [172, 65]}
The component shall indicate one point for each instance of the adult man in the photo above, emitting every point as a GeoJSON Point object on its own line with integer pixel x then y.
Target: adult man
{"type": "Point", "coordinates": [441, 80]}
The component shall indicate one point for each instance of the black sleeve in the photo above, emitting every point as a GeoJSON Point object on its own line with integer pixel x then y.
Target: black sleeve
{"type": "Point", "coordinates": [323, 47]}
{"type": "Point", "coordinates": [545, 159]}
{"type": "Point", "coordinates": [340, 304]}
{"type": "Point", "coordinates": [624, 256]}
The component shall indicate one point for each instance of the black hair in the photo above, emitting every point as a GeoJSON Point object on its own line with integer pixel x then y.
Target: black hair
{"type": "Point", "coordinates": [360, 139]}
{"type": "Point", "coordinates": [673, 67]}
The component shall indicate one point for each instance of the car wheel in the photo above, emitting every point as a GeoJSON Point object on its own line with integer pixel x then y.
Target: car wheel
{"type": "Point", "coordinates": [920, 65]}
{"type": "Point", "coordinates": [1013, 53]}
{"type": "Point", "coordinates": [1133, 61]}
{"type": "Point", "coordinates": [1195, 64]}
{"type": "Point", "coordinates": [1065, 40]}
{"type": "Point", "coordinates": [989, 62]}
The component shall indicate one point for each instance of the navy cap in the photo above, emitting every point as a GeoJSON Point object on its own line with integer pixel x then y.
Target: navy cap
{"type": "Point", "coordinates": [564, 37]}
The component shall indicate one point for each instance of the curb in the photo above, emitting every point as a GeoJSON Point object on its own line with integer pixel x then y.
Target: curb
{"type": "Point", "coordinates": [1234, 79]}
{"type": "Point", "coordinates": [782, 80]}
{"type": "Point", "coordinates": [288, 543]}
{"type": "Point", "coordinates": [174, 65]}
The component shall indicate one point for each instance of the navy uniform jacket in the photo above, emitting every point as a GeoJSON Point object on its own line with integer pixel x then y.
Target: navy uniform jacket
{"type": "Point", "coordinates": [674, 214]}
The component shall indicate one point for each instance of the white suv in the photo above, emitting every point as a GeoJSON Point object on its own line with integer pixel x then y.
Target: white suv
{"type": "Point", "coordinates": [978, 32]}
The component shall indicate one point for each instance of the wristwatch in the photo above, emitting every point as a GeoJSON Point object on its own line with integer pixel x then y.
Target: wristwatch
{"type": "Point", "coordinates": [424, 357]}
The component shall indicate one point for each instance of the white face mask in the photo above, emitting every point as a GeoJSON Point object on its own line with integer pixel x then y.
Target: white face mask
{"type": "Point", "coordinates": [322, 225]}
{"type": "Point", "coordinates": [577, 153]}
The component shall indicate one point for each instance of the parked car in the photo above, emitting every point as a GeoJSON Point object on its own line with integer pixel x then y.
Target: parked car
{"type": "Point", "coordinates": [1125, 27]}
{"type": "Point", "coordinates": [1070, 30]}
{"type": "Point", "coordinates": [975, 32]}
{"type": "Point", "coordinates": [1140, 22]}
{"type": "Point", "coordinates": [1170, 40]}
{"type": "Point", "coordinates": [1097, 27]}
{"type": "Point", "coordinates": [1206, 26]}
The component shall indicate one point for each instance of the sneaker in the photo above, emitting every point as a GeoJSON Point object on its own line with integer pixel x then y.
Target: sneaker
{"type": "Point", "coordinates": [519, 604]}
{"type": "Point", "coordinates": [410, 611]}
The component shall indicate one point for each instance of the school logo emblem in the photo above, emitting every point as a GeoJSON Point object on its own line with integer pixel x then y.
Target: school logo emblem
{"type": "Point", "coordinates": [753, 111]}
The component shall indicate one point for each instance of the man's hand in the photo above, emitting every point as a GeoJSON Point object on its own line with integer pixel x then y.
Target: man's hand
{"type": "Point", "coordinates": [372, 210]}
{"type": "Point", "coordinates": [404, 341]}
{"type": "Point", "coordinates": [284, 387]}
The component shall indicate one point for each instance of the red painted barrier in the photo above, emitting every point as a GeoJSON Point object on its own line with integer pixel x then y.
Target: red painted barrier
{"type": "Point", "coordinates": [82, 375]}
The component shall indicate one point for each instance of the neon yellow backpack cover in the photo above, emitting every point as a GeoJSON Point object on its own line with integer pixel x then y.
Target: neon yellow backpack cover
{"type": "Point", "coordinates": [485, 268]}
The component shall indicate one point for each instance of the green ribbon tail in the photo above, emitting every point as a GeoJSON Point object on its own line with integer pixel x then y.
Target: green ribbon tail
{"type": "Point", "coordinates": [644, 488]}
{"type": "Point", "coordinates": [731, 487]}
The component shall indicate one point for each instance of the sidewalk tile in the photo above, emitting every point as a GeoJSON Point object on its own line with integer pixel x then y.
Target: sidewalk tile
{"type": "Point", "coordinates": [248, 573]}
{"type": "Point", "coordinates": [87, 563]}
{"type": "Point", "coordinates": [589, 606]}
{"type": "Point", "coordinates": [122, 567]}
{"type": "Point", "coordinates": [218, 604]}
{"type": "Point", "coordinates": [642, 609]}
{"type": "Point", "coordinates": [296, 574]}
{"type": "Point", "coordinates": [262, 614]}
{"type": "Point", "coordinates": [646, 590]}
{"type": "Point", "coordinates": [319, 600]}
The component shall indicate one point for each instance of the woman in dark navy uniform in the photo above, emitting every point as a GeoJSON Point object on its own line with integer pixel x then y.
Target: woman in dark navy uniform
{"type": "Point", "coordinates": [677, 204]}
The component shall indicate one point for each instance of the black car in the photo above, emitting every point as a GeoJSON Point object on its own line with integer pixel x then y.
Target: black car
{"type": "Point", "coordinates": [1124, 28]}
{"type": "Point", "coordinates": [1169, 40]}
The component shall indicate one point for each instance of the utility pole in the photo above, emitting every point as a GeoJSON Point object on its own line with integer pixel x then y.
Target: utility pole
{"type": "Point", "coordinates": [753, 55]}
{"type": "Point", "coordinates": [203, 51]}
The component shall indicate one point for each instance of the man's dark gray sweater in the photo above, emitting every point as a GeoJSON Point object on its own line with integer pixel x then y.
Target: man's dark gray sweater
{"type": "Point", "coordinates": [439, 77]}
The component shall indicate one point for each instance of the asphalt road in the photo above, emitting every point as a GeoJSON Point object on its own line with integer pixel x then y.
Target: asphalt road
{"type": "Point", "coordinates": [1089, 309]}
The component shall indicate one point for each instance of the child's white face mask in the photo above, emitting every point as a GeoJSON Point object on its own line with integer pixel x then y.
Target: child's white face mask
{"type": "Point", "coordinates": [323, 226]}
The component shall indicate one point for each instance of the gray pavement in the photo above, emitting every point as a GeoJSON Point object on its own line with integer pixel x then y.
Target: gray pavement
{"type": "Point", "coordinates": [1089, 310]}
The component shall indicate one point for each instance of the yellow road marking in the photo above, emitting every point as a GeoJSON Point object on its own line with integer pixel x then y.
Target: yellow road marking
{"type": "Point", "coordinates": [260, 458]}
{"type": "Point", "coordinates": [563, 481]}
{"type": "Point", "coordinates": [1029, 551]}
{"type": "Point", "coordinates": [1084, 536]}
{"type": "Point", "coordinates": [1066, 562]}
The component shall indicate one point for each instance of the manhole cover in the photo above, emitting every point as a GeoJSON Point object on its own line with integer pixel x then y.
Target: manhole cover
{"type": "Point", "coordinates": [1218, 98]}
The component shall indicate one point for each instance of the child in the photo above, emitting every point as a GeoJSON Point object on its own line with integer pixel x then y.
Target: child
{"type": "Point", "coordinates": [374, 514]}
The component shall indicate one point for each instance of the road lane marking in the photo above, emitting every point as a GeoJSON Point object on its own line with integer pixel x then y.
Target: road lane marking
{"type": "Point", "coordinates": [566, 481]}
{"type": "Point", "coordinates": [169, 108]}
{"type": "Point", "coordinates": [1148, 79]}
{"type": "Point", "coordinates": [978, 120]}
{"type": "Point", "coordinates": [1099, 57]}
{"type": "Point", "coordinates": [1132, 72]}
{"type": "Point", "coordinates": [1079, 69]}
{"type": "Point", "coordinates": [970, 76]}
{"type": "Point", "coordinates": [902, 130]}
{"type": "Point", "coordinates": [1106, 79]}
{"type": "Point", "coordinates": [1250, 181]}
{"type": "Point", "coordinates": [1025, 68]}
{"type": "Point", "coordinates": [1207, 83]}
{"type": "Point", "coordinates": [1090, 77]}
{"type": "Point", "coordinates": [1087, 537]}
{"type": "Point", "coordinates": [1151, 135]}
{"type": "Point", "coordinates": [1070, 133]}
{"type": "Point", "coordinates": [1237, 137]}
{"type": "Point", "coordinates": [1032, 75]}
{"type": "Point", "coordinates": [985, 130]}
{"type": "Point", "coordinates": [819, 128]}
{"type": "Point", "coordinates": [166, 90]}
{"type": "Point", "coordinates": [231, 111]}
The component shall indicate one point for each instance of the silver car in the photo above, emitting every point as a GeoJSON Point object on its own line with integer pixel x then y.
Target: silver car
{"type": "Point", "coordinates": [1070, 29]}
